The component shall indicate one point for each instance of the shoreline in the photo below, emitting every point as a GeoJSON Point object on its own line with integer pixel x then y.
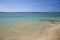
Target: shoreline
{"type": "Point", "coordinates": [38, 31]}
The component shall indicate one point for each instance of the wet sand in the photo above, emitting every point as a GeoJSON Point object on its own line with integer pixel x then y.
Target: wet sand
{"type": "Point", "coordinates": [42, 30]}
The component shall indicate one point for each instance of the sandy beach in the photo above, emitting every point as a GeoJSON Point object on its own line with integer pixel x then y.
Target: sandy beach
{"type": "Point", "coordinates": [43, 30]}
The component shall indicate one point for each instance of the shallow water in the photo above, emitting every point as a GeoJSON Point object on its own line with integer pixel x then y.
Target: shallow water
{"type": "Point", "coordinates": [21, 19]}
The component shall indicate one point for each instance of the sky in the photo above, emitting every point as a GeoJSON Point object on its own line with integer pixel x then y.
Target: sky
{"type": "Point", "coordinates": [29, 5]}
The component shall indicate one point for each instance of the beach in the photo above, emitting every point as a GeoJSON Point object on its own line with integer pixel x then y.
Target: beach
{"type": "Point", "coordinates": [47, 31]}
{"type": "Point", "coordinates": [29, 26]}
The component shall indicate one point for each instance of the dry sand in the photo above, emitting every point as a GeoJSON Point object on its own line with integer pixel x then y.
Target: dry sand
{"type": "Point", "coordinates": [44, 30]}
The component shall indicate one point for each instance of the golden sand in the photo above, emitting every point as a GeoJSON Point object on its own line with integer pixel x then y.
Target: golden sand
{"type": "Point", "coordinates": [44, 30]}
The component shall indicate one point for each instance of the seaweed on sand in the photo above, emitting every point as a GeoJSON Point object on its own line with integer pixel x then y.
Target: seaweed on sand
{"type": "Point", "coordinates": [52, 21]}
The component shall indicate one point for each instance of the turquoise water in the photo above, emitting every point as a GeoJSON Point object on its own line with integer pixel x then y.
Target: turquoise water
{"type": "Point", "coordinates": [11, 20]}
{"type": "Point", "coordinates": [28, 16]}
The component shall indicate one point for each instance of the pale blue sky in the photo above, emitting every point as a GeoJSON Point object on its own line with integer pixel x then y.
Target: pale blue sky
{"type": "Point", "coordinates": [30, 5]}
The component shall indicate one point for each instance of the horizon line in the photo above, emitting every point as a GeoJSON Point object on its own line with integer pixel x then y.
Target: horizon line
{"type": "Point", "coordinates": [0, 12]}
